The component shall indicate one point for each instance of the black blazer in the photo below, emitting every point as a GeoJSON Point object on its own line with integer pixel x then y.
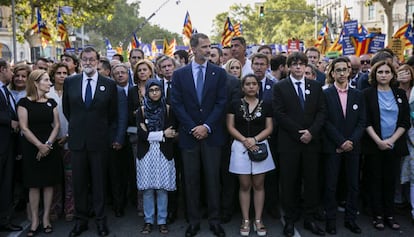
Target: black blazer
{"type": "Point", "coordinates": [166, 147]}
{"type": "Point", "coordinates": [5, 124]}
{"type": "Point", "coordinates": [133, 105]}
{"type": "Point", "coordinates": [89, 128]}
{"type": "Point", "coordinates": [337, 128]}
{"type": "Point", "coordinates": [291, 118]}
{"type": "Point", "coordinates": [373, 119]}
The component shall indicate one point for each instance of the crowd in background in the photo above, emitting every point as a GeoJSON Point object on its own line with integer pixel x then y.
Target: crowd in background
{"type": "Point", "coordinates": [88, 131]}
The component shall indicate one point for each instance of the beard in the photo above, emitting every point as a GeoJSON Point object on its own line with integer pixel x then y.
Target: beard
{"type": "Point", "coordinates": [89, 70]}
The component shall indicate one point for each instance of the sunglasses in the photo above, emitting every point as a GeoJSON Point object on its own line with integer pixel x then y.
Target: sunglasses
{"type": "Point", "coordinates": [365, 61]}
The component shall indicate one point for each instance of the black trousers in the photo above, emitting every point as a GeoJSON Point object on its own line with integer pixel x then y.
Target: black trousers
{"type": "Point", "coordinates": [174, 196]}
{"type": "Point", "coordinates": [382, 170]}
{"type": "Point", "coordinates": [205, 157]}
{"type": "Point", "coordinates": [118, 175]}
{"type": "Point", "coordinates": [89, 168]}
{"type": "Point", "coordinates": [229, 183]}
{"type": "Point", "coordinates": [295, 168]}
{"type": "Point", "coordinates": [6, 184]}
{"type": "Point", "coordinates": [332, 170]}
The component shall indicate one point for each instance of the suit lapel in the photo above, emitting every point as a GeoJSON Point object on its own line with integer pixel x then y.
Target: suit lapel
{"type": "Point", "coordinates": [294, 93]}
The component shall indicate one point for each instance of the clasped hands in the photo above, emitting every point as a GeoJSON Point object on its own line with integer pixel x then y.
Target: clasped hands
{"type": "Point", "coordinates": [345, 147]}
{"type": "Point", "coordinates": [44, 150]}
{"type": "Point", "coordinates": [170, 132]}
{"type": "Point", "coordinates": [250, 143]}
{"type": "Point", "coordinates": [199, 132]}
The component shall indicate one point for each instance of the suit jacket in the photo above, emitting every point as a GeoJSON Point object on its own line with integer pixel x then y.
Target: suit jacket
{"type": "Point", "coordinates": [320, 77]}
{"type": "Point", "coordinates": [267, 92]}
{"type": "Point", "coordinates": [133, 105]}
{"type": "Point", "coordinates": [337, 128]}
{"type": "Point", "coordinates": [5, 124]}
{"type": "Point", "coordinates": [291, 118]}
{"type": "Point", "coordinates": [374, 120]}
{"type": "Point", "coordinates": [89, 128]}
{"type": "Point", "coordinates": [190, 113]}
{"type": "Point", "coordinates": [118, 130]}
{"type": "Point", "coordinates": [233, 89]}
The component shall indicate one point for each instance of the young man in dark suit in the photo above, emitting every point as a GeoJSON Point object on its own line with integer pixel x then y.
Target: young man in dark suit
{"type": "Point", "coordinates": [199, 101]}
{"type": "Point", "coordinates": [299, 110]}
{"type": "Point", "coordinates": [90, 105]}
{"type": "Point", "coordinates": [344, 127]}
{"type": "Point", "coordinates": [9, 126]}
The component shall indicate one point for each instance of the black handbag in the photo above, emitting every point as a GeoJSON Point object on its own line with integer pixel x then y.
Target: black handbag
{"type": "Point", "coordinates": [260, 154]}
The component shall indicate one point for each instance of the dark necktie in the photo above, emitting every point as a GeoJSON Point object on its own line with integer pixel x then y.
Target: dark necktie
{"type": "Point", "coordinates": [168, 92]}
{"type": "Point", "coordinates": [300, 94]}
{"type": "Point", "coordinates": [10, 103]}
{"type": "Point", "coordinates": [88, 93]}
{"type": "Point", "coordinates": [200, 83]}
{"type": "Point", "coordinates": [260, 90]}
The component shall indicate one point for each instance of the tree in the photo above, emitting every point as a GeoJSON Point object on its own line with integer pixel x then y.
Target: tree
{"type": "Point", "coordinates": [282, 20]}
{"type": "Point", "coordinates": [388, 7]}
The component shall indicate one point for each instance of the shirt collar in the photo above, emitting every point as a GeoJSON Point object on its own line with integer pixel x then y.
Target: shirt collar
{"type": "Point", "coordinates": [341, 90]}
{"type": "Point", "coordinates": [294, 80]}
{"type": "Point", "coordinates": [94, 77]}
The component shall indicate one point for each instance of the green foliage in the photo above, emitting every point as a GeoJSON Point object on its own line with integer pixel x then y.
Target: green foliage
{"type": "Point", "coordinates": [282, 19]}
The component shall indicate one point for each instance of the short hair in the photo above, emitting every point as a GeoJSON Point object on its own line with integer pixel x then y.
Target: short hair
{"type": "Point", "coordinates": [276, 61]}
{"type": "Point", "coordinates": [3, 63]}
{"type": "Point", "coordinates": [313, 68]}
{"type": "Point", "coordinates": [41, 59]}
{"type": "Point", "coordinates": [240, 39]}
{"type": "Point", "coordinates": [296, 56]}
{"type": "Point", "coordinates": [372, 77]}
{"type": "Point", "coordinates": [195, 39]}
{"type": "Point", "coordinates": [331, 68]}
{"type": "Point", "coordinates": [259, 55]}
{"type": "Point", "coordinates": [165, 58]}
{"type": "Point", "coordinates": [381, 55]}
{"type": "Point", "coordinates": [89, 49]}
{"type": "Point", "coordinates": [106, 64]}
{"type": "Point", "coordinates": [314, 49]}
{"type": "Point", "coordinates": [136, 50]}
{"type": "Point", "coordinates": [220, 52]}
{"type": "Point", "coordinates": [16, 68]}
{"type": "Point", "coordinates": [118, 65]}
{"type": "Point", "coordinates": [409, 68]}
{"type": "Point", "coordinates": [121, 58]}
{"type": "Point", "coordinates": [146, 62]}
{"type": "Point", "coordinates": [34, 76]}
{"type": "Point", "coordinates": [264, 47]}
{"type": "Point", "coordinates": [74, 58]}
{"type": "Point", "coordinates": [55, 67]}
{"type": "Point", "coordinates": [182, 54]}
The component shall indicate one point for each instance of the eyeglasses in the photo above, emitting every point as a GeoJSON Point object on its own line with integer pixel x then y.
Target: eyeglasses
{"type": "Point", "coordinates": [298, 64]}
{"type": "Point", "coordinates": [91, 60]}
{"type": "Point", "coordinates": [365, 61]}
{"type": "Point", "coordinates": [341, 70]}
{"type": "Point", "coordinates": [155, 90]}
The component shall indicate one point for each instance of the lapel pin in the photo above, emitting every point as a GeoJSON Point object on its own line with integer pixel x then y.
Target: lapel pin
{"type": "Point", "coordinates": [307, 91]}
{"type": "Point", "coordinates": [102, 88]}
{"type": "Point", "coordinates": [267, 87]}
{"type": "Point", "coordinates": [399, 100]}
{"type": "Point", "coordinates": [213, 73]}
{"type": "Point", "coordinates": [258, 114]}
{"type": "Point", "coordinates": [355, 107]}
{"type": "Point", "coordinates": [49, 104]}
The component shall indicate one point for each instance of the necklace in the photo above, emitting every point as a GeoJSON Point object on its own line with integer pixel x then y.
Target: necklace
{"type": "Point", "coordinates": [244, 108]}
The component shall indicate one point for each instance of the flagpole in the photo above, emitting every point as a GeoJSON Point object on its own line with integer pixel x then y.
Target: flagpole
{"type": "Point", "coordinates": [14, 31]}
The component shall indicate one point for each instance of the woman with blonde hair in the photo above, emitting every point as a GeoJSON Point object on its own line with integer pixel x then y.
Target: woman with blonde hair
{"type": "Point", "coordinates": [234, 67]}
{"type": "Point", "coordinates": [39, 123]}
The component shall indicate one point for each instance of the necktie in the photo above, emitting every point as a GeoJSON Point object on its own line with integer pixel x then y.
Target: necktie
{"type": "Point", "coordinates": [200, 83]}
{"type": "Point", "coordinates": [168, 94]}
{"type": "Point", "coordinates": [300, 94]}
{"type": "Point", "coordinates": [10, 103]}
{"type": "Point", "coordinates": [260, 90]}
{"type": "Point", "coordinates": [88, 93]}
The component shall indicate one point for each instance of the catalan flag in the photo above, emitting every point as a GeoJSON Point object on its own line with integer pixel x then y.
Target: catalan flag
{"type": "Point", "coordinates": [63, 33]}
{"type": "Point", "coordinates": [322, 43]}
{"type": "Point", "coordinates": [238, 30]}
{"type": "Point", "coordinates": [228, 33]}
{"type": "Point", "coordinates": [401, 31]}
{"type": "Point", "coordinates": [154, 48]}
{"type": "Point", "coordinates": [361, 44]}
{"type": "Point", "coordinates": [135, 42]}
{"type": "Point", "coordinates": [169, 48]}
{"type": "Point", "coordinates": [40, 27]}
{"type": "Point", "coordinates": [187, 27]}
{"type": "Point", "coordinates": [108, 44]}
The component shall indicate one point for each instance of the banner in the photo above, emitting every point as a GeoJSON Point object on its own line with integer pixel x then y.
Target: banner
{"type": "Point", "coordinates": [377, 43]}
{"type": "Point", "coordinates": [351, 27]}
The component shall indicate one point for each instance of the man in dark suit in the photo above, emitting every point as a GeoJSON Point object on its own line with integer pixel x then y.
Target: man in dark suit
{"type": "Point", "coordinates": [299, 110]}
{"type": "Point", "coordinates": [344, 126]}
{"type": "Point", "coordinates": [90, 105]}
{"type": "Point", "coordinates": [9, 127]}
{"type": "Point", "coordinates": [199, 101]}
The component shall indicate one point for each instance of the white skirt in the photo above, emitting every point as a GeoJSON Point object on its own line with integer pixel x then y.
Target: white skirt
{"type": "Point", "coordinates": [240, 162]}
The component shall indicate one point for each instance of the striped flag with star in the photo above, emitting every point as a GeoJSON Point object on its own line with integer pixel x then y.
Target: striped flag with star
{"type": "Point", "coordinates": [39, 27]}
{"type": "Point", "coordinates": [62, 32]}
{"type": "Point", "coordinates": [228, 33]}
{"type": "Point", "coordinates": [238, 29]}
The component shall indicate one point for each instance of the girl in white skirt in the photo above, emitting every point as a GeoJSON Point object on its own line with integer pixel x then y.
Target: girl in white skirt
{"type": "Point", "coordinates": [249, 121]}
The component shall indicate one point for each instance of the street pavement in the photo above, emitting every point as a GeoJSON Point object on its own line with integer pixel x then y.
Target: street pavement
{"type": "Point", "coordinates": [131, 224]}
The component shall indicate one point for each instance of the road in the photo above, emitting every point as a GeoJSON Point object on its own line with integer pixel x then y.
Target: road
{"type": "Point", "coordinates": [131, 224]}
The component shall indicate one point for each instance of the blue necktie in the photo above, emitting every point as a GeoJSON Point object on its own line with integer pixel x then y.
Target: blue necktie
{"type": "Point", "coordinates": [300, 94]}
{"type": "Point", "coordinates": [88, 93]}
{"type": "Point", "coordinates": [200, 83]}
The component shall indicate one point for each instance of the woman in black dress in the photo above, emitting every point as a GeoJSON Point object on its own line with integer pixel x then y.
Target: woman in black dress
{"type": "Point", "coordinates": [39, 122]}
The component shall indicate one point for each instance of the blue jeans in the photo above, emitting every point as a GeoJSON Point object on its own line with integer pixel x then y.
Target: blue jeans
{"type": "Point", "coordinates": [149, 207]}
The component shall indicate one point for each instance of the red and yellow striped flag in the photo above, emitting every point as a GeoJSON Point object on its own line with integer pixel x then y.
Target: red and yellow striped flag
{"type": "Point", "coordinates": [228, 33]}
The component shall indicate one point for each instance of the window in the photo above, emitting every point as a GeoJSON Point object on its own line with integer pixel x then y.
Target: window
{"type": "Point", "coordinates": [410, 8]}
{"type": "Point", "coordinates": [5, 52]}
{"type": "Point", "coordinates": [371, 12]}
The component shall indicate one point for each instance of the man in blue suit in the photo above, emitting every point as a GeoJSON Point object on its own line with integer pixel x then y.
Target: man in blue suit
{"type": "Point", "coordinates": [199, 101]}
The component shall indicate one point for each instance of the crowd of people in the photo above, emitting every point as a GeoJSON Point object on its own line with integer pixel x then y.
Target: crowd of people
{"type": "Point", "coordinates": [293, 133]}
